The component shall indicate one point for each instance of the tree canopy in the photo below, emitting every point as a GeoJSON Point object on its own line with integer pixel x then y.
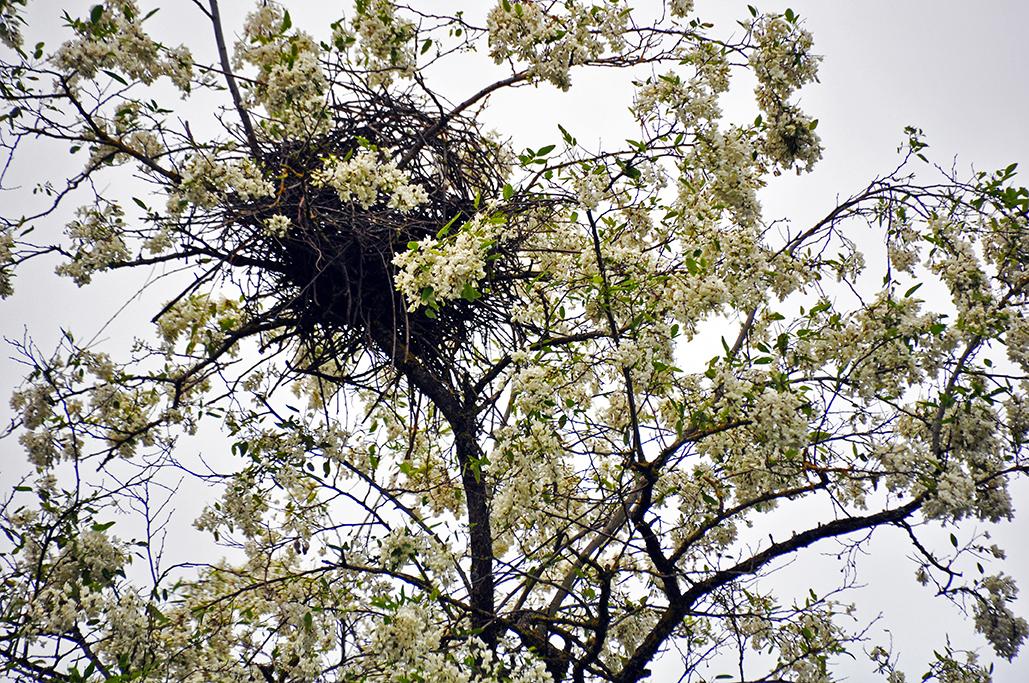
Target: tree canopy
{"type": "Point", "coordinates": [421, 405]}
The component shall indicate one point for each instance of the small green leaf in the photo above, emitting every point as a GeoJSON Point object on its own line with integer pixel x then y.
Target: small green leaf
{"type": "Point", "coordinates": [116, 77]}
{"type": "Point", "coordinates": [545, 150]}
{"type": "Point", "coordinates": [912, 290]}
{"type": "Point", "coordinates": [954, 540]}
{"type": "Point", "coordinates": [568, 138]}
{"type": "Point", "coordinates": [157, 614]}
{"type": "Point", "coordinates": [426, 45]}
{"type": "Point", "coordinates": [287, 22]}
{"type": "Point", "coordinates": [470, 293]}
{"type": "Point", "coordinates": [508, 191]}
{"type": "Point", "coordinates": [96, 13]}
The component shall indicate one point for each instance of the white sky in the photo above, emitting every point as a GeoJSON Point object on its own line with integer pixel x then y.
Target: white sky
{"type": "Point", "coordinates": [955, 69]}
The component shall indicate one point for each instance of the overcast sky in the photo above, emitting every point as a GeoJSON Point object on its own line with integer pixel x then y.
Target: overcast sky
{"type": "Point", "coordinates": [955, 69]}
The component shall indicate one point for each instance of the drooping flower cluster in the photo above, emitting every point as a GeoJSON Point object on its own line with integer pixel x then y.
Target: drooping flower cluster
{"type": "Point", "coordinates": [386, 41]}
{"type": "Point", "coordinates": [994, 619]}
{"type": "Point", "coordinates": [6, 259]}
{"type": "Point", "coordinates": [97, 236]}
{"type": "Point", "coordinates": [783, 62]}
{"type": "Point", "coordinates": [291, 84]}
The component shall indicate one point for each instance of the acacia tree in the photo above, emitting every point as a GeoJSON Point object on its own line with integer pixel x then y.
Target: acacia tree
{"type": "Point", "coordinates": [467, 432]}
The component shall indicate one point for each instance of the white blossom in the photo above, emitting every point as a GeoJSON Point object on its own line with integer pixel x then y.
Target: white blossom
{"type": "Point", "coordinates": [363, 177]}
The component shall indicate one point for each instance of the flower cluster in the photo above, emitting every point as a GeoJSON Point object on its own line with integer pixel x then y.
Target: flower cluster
{"type": "Point", "coordinates": [291, 84]}
{"type": "Point", "coordinates": [207, 181]}
{"type": "Point", "coordinates": [363, 176]}
{"type": "Point", "coordinates": [113, 38]}
{"type": "Point", "coordinates": [409, 644]}
{"type": "Point", "coordinates": [694, 101]}
{"type": "Point", "coordinates": [433, 271]}
{"type": "Point", "coordinates": [241, 508]}
{"type": "Point", "coordinates": [201, 319]}
{"type": "Point", "coordinates": [10, 20]}
{"type": "Point", "coordinates": [127, 128]}
{"type": "Point", "coordinates": [6, 259]}
{"type": "Point", "coordinates": [994, 619]}
{"type": "Point", "coordinates": [783, 62]}
{"type": "Point", "coordinates": [387, 41]}
{"type": "Point", "coordinates": [97, 234]}
{"type": "Point", "coordinates": [680, 8]}
{"type": "Point", "coordinates": [552, 44]}
{"type": "Point", "coordinates": [802, 643]}
{"type": "Point", "coordinates": [76, 578]}
{"type": "Point", "coordinates": [277, 226]}
{"type": "Point", "coordinates": [963, 272]}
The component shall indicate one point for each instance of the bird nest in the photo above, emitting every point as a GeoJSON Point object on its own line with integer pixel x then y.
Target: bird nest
{"type": "Point", "coordinates": [332, 275]}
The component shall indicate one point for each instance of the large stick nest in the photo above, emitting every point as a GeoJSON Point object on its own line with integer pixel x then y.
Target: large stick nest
{"type": "Point", "coordinates": [333, 273]}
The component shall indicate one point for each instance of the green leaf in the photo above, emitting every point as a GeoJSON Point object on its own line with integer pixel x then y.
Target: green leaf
{"type": "Point", "coordinates": [157, 614]}
{"type": "Point", "coordinates": [912, 290]}
{"type": "Point", "coordinates": [446, 228]}
{"type": "Point", "coordinates": [287, 22]}
{"type": "Point", "coordinates": [954, 540]}
{"type": "Point", "coordinates": [753, 10]}
{"type": "Point", "coordinates": [545, 150]}
{"type": "Point", "coordinates": [102, 526]}
{"type": "Point", "coordinates": [470, 293]}
{"type": "Point", "coordinates": [116, 77]}
{"type": "Point", "coordinates": [508, 191]}
{"type": "Point", "coordinates": [96, 13]}
{"type": "Point", "coordinates": [426, 45]}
